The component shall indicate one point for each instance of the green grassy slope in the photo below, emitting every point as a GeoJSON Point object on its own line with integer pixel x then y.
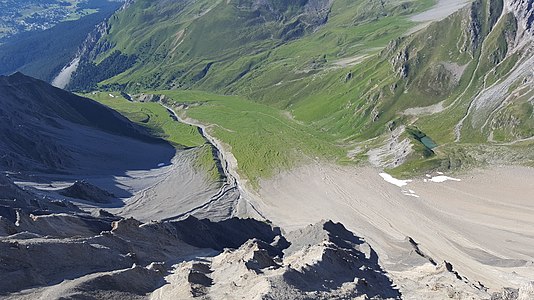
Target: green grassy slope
{"type": "Point", "coordinates": [158, 121]}
{"type": "Point", "coordinates": [331, 89]}
{"type": "Point", "coordinates": [263, 139]}
{"type": "Point", "coordinates": [215, 45]}
{"type": "Point", "coordinates": [152, 116]}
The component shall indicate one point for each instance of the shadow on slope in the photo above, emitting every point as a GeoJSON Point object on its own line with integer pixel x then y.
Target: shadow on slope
{"type": "Point", "coordinates": [338, 257]}
{"type": "Point", "coordinates": [42, 54]}
{"type": "Point", "coordinates": [46, 130]}
{"type": "Point", "coordinates": [44, 251]}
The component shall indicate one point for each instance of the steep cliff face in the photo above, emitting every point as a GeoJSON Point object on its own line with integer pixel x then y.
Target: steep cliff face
{"type": "Point", "coordinates": [91, 47]}
{"type": "Point", "coordinates": [523, 10]}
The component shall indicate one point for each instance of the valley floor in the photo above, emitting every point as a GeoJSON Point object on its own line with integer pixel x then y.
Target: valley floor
{"type": "Point", "coordinates": [482, 224]}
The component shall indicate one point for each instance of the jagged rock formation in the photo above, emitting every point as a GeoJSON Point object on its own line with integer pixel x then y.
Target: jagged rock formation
{"type": "Point", "coordinates": [524, 13]}
{"type": "Point", "coordinates": [324, 261]}
{"type": "Point", "coordinates": [102, 255]}
{"type": "Point", "coordinates": [127, 258]}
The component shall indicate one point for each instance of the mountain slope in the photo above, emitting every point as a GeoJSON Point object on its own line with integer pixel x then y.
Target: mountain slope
{"type": "Point", "coordinates": [45, 128]}
{"type": "Point", "coordinates": [43, 53]}
{"type": "Point", "coordinates": [474, 87]}
{"type": "Point", "coordinates": [430, 98]}
{"type": "Point", "coordinates": [315, 81]}
{"type": "Point", "coordinates": [178, 43]}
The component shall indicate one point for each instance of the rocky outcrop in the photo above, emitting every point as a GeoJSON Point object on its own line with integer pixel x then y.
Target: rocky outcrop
{"type": "Point", "coordinates": [324, 261]}
{"type": "Point", "coordinates": [84, 190]}
{"type": "Point", "coordinates": [524, 13]}
{"type": "Point", "coordinates": [42, 251]}
{"type": "Point", "coordinates": [400, 63]}
{"type": "Point", "coordinates": [473, 28]}
{"type": "Point", "coordinates": [298, 17]}
{"type": "Point", "coordinates": [525, 292]}
{"type": "Point", "coordinates": [327, 257]}
{"type": "Point", "coordinates": [12, 195]}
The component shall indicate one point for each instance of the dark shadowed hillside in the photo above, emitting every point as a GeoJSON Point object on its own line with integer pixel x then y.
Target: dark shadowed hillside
{"type": "Point", "coordinates": [50, 129]}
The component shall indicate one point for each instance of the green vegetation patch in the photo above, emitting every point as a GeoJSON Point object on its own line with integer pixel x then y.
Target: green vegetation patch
{"type": "Point", "coordinates": [263, 139]}
{"type": "Point", "coordinates": [205, 160]}
{"type": "Point", "coordinates": [154, 117]}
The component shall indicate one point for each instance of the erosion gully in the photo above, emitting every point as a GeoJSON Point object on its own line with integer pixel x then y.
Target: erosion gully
{"type": "Point", "coordinates": [230, 189]}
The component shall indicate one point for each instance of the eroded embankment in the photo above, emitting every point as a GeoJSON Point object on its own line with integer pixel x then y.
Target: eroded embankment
{"type": "Point", "coordinates": [231, 193]}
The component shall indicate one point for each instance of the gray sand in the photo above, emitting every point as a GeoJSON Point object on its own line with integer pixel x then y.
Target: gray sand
{"type": "Point", "coordinates": [483, 224]}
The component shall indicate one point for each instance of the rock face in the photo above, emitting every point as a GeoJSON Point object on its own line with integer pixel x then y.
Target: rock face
{"type": "Point", "coordinates": [324, 261]}
{"type": "Point", "coordinates": [303, 16]}
{"type": "Point", "coordinates": [98, 253]}
{"type": "Point", "coordinates": [326, 257]}
{"type": "Point", "coordinates": [524, 13]}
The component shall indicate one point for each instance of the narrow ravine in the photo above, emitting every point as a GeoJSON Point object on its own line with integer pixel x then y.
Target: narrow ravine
{"type": "Point", "coordinates": [231, 190]}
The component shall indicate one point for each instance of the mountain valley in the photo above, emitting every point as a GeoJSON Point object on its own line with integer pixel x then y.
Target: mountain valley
{"type": "Point", "coordinates": [269, 149]}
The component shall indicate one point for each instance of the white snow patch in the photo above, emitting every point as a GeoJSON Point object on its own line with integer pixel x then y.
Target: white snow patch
{"type": "Point", "coordinates": [409, 194]}
{"type": "Point", "coordinates": [395, 181]}
{"type": "Point", "coordinates": [443, 178]}
{"type": "Point", "coordinates": [440, 173]}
